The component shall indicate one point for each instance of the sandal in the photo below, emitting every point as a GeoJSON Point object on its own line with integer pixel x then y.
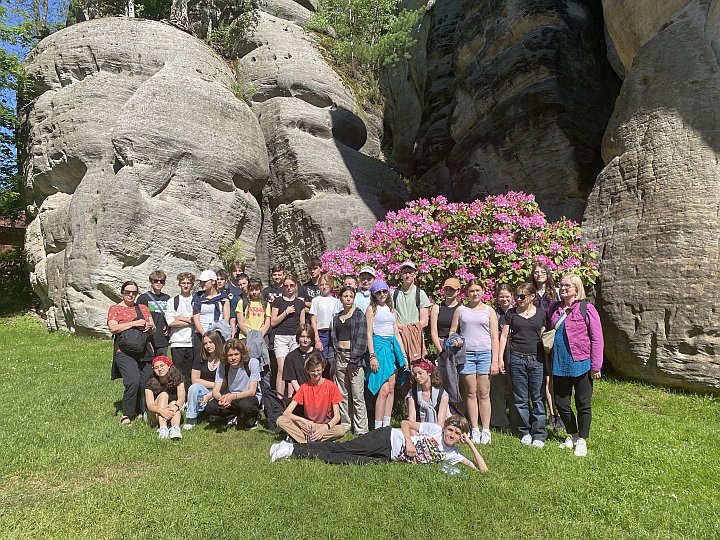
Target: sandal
{"type": "Point", "coordinates": [125, 421]}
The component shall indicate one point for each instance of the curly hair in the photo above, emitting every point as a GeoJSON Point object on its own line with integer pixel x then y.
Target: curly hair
{"type": "Point", "coordinates": [174, 379]}
{"type": "Point", "coordinates": [240, 346]}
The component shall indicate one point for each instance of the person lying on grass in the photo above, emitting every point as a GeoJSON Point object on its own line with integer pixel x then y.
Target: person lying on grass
{"type": "Point", "coordinates": [164, 397]}
{"type": "Point", "coordinates": [415, 442]}
{"type": "Point", "coordinates": [320, 399]}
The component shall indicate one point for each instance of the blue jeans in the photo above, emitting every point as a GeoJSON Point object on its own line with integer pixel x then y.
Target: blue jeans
{"type": "Point", "coordinates": [195, 395]}
{"type": "Point", "coordinates": [526, 374]}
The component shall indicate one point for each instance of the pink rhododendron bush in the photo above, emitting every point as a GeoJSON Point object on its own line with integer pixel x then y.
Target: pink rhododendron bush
{"type": "Point", "coordinates": [494, 240]}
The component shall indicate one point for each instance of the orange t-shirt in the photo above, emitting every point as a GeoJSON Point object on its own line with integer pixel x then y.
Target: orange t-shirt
{"type": "Point", "coordinates": [317, 401]}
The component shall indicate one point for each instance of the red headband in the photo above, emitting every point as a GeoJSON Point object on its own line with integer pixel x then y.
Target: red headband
{"type": "Point", "coordinates": [162, 359]}
{"type": "Point", "coordinates": [427, 365]}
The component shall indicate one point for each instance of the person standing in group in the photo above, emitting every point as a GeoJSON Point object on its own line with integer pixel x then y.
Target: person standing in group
{"type": "Point", "coordinates": [322, 310]}
{"type": "Point", "coordinates": [237, 270]}
{"type": "Point", "coordinates": [386, 354]}
{"type": "Point", "coordinates": [255, 314]}
{"type": "Point", "coordinates": [275, 289]}
{"type": "Point", "coordinates": [287, 313]}
{"type": "Point", "coordinates": [210, 305]}
{"type": "Point", "coordinates": [577, 358]}
{"type": "Point", "coordinates": [365, 280]}
{"type": "Point", "coordinates": [348, 349]}
{"type": "Point", "coordinates": [522, 332]}
{"type": "Point", "coordinates": [477, 323]}
{"type": "Point", "coordinates": [156, 301]}
{"type": "Point", "coordinates": [131, 354]}
{"type": "Point", "coordinates": [426, 400]}
{"type": "Point", "coordinates": [441, 316]}
{"type": "Point", "coordinates": [542, 280]}
{"type": "Point", "coordinates": [500, 383]}
{"type": "Point", "coordinates": [236, 392]}
{"type": "Point", "coordinates": [179, 318]}
{"type": "Point", "coordinates": [203, 377]}
{"type": "Point", "coordinates": [350, 281]}
{"type": "Point", "coordinates": [320, 399]}
{"type": "Point", "coordinates": [412, 306]}
{"type": "Point", "coordinates": [294, 374]}
{"type": "Point", "coordinates": [311, 289]}
{"type": "Point", "coordinates": [165, 397]}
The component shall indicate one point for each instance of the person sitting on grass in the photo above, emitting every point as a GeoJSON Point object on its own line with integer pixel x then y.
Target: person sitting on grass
{"type": "Point", "coordinates": [427, 401]}
{"type": "Point", "coordinates": [236, 392]}
{"type": "Point", "coordinates": [415, 442]}
{"type": "Point", "coordinates": [203, 377]}
{"type": "Point", "coordinates": [320, 399]}
{"type": "Point", "coordinates": [164, 397]}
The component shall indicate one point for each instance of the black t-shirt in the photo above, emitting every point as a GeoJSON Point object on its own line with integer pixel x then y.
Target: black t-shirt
{"type": "Point", "coordinates": [157, 308]}
{"type": "Point", "coordinates": [503, 316]}
{"type": "Point", "coordinates": [308, 291]}
{"type": "Point", "coordinates": [289, 325]}
{"type": "Point", "coordinates": [294, 367]}
{"type": "Point", "coordinates": [444, 320]}
{"type": "Point", "coordinates": [202, 366]}
{"type": "Point", "coordinates": [525, 333]}
{"type": "Point", "coordinates": [157, 390]}
{"type": "Point", "coordinates": [270, 293]}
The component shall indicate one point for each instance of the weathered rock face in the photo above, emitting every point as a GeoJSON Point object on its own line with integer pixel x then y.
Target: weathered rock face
{"type": "Point", "coordinates": [323, 183]}
{"type": "Point", "coordinates": [515, 95]}
{"type": "Point", "coordinates": [655, 207]}
{"type": "Point", "coordinates": [140, 158]}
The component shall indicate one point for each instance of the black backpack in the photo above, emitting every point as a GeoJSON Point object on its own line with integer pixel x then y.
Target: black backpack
{"type": "Point", "coordinates": [273, 406]}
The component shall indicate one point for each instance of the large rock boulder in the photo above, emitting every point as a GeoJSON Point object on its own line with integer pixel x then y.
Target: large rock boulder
{"type": "Point", "coordinates": [323, 183]}
{"type": "Point", "coordinates": [505, 94]}
{"type": "Point", "coordinates": [654, 208]}
{"type": "Point", "coordinates": [139, 157]}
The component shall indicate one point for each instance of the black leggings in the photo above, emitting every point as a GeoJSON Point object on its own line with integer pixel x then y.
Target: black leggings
{"type": "Point", "coordinates": [562, 388]}
{"type": "Point", "coordinates": [374, 447]}
{"type": "Point", "coordinates": [135, 373]}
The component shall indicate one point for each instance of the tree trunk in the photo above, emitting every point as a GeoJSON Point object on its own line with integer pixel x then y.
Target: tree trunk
{"type": "Point", "coordinates": [179, 13]}
{"type": "Point", "coordinates": [91, 10]}
{"type": "Point", "coordinates": [130, 8]}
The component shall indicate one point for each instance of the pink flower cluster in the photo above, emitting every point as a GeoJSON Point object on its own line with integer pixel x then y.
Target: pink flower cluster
{"type": "Point", "coordinates": [494, 241]}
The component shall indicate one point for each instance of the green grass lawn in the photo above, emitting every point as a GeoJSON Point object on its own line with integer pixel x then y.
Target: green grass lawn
{"type": "Point", "coordinates": [68, 470]}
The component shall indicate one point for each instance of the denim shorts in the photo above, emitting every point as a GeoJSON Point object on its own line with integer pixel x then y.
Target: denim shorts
{"type": "Point", "coordinates": [477, 363]}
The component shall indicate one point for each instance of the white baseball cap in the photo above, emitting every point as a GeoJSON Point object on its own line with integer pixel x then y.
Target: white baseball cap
{"type": "Point", "coordinates": [206, 275]}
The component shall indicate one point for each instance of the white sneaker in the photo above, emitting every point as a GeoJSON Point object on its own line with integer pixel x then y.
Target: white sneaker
{"type": "Point", "coordinates": [475, 436]}
{"type": "Point", "coordinates": [537, 443]}
{"type": "Point", "coordinates": [283, 450]}
{"type": "Point", "coordinates": [581, 448]}
{"type": "Point", "coordinates": [164, 432]}
{"type": "Point", "coordinates": [485, 437]}
{"type": "Point", "coordinates": [232, 421]}
{"type": "Point", "coordinates": [526, 440]}
{"type": "Point", "coordinates": [175, 433]}
{"type": "Point", "coordinates": [189, 424]}
{"type": "Point", "coordinates": [569, 443]}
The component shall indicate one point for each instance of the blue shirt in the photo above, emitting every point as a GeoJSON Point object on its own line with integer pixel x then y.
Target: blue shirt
{"type": "Point", "coordinates": [361, 301]}
{"type": "Point", "coordinates": [563, 363]}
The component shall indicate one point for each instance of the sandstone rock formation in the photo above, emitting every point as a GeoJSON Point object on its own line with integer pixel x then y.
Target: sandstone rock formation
{"type": "Point", "coordinates": [505, 94]}
{"type": "Point", "coordinates": [140, 157]}
{"type": "Point", "coordinates": [655, 207]}
{"type": "Point", "coordinates": [323, 183]}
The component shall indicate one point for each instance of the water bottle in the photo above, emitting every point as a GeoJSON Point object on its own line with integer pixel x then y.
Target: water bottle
{"type": "Point", "coordinates": [452, 470]}
{"type": "Point", "coordinates": [200, 408]}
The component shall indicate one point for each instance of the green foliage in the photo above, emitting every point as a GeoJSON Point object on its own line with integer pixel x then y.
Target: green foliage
{"type": "Point", "coordinates": [16, 37]}
{"type": "Point", "coordinates": [229, 253]}
{"type": "Point", "coordinates": [369, 36]}
{"type": "Point", "coordinates": [236, 19]}
{"type": "Point", "coordinates": [15, 276]}
{"type": "Point", "coordinates": [69, 471]}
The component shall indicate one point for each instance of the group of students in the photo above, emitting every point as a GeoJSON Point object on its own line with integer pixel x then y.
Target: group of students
{"type": "Point", "coordinates": [321, 362]}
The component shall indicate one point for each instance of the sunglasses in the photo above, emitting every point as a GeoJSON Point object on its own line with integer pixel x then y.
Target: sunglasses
{"type": "Point", "coordinates": [129, 293]}
{"type": "Point", "coordinates": [158, 281]}
{"type": "Point", "coordinates": [521, 296]}
{"type": "Point", "coordinates": [384, 291]}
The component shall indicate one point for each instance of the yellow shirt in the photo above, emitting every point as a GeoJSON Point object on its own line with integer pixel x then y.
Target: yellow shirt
{"type": "Point", "coordinates": [255, 315]}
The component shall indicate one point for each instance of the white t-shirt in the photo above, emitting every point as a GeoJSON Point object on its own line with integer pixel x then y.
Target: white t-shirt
{"type": "Point", "coordinates": [324, 308]}
{"type": "Point", "coordinates": [384, 322]}
{"type": "Point", "coordinates": [180, 337]}
{"type": "Point", "coordinates": [422, 442]}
